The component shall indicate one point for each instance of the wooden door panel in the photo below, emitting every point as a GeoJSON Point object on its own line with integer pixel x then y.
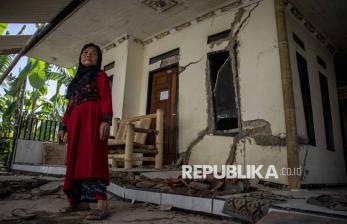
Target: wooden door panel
{"type": "Point", "coordinates": [163, 96]}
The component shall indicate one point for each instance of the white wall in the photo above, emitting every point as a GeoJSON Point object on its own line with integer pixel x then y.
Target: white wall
{"type": "Point", "coordinates": [322, 165]}
{"type": "Point", "coordinates": [127, 77]}
{"type": "Point", "coordinates": [260, 84]}
{"type": "Point", "coordinates": [260, 91]}
{"type": "Point", "coordinates": [118, 54]}
{"type": "Point", "coordinates": [28, 151]}
{"type": "Point", "coordinates": [260, 74]}
{"type": "Point", "coordinates": [134, 80]}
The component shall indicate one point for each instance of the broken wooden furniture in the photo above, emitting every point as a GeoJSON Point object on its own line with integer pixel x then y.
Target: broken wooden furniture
{"type": "Point", "coordinates": [130, 137]}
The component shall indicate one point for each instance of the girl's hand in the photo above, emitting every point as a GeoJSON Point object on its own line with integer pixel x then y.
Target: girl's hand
{"type": "Point", "coordinates": [104, 131]}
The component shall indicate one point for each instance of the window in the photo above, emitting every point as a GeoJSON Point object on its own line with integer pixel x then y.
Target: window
{"type": "Point", "coordinates": [298, 41]}
{"type": "Point", "coordinates": [218, 36]}
{"type": "Point", "coordinates": [328, 124]}
{"type": "Point", "coordinates": [165, 55]}
{"type": "Point", "coordinates": [110, 79]}
{"type": "Point", "coordinates": [223, 91]}
{"type": "Point", "coordinates": [109, 66]}
{"type": "Point", "coordinates": [321, 62]}
{"type": "Point", "coordinates": [306, 98]}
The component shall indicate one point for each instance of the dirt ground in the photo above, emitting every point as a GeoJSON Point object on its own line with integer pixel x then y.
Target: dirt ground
{"type": "Point", "coordinates": [41, 205]}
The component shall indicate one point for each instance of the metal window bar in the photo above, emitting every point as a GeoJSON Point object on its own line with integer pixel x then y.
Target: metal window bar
{"type": "Point", "coordinates": [54, 127]}
{"type": "Point", "coordinates": [30, 128]}
{"type": "Point", "coordinates": [25, 132]}
{"type": "Point", "coordinates": [44, 134]}
{"type": "Point", "coordinates": [50, 130]}
{"type": "Point", "coordinates": [37, 121]}
{"type": "Point", "coordinates": [41, 125]}
{"type": "Point", "coordinates": [36, 129]}
{"type": "Point", "coordinates": [20, 129]}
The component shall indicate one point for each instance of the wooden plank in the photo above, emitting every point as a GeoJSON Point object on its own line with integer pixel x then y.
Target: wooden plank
{"type": "Point", "coordinates": [146, 151]}
{"type": "Point", "coordinates": [135, 150]}
{"type": "Point", "coordinates": [150, 159]}
{"type": "Point", "coordinates": [115, 142]}
{"type": "Point", "coordinates": [143, 124]}
{"type": "Point", "coordinates": [132, 119]}
{"type": "Point", "coordinates": [129, 146]}
{"type": "Point", "coordinates": [159, 139]}
{"type": "Point", "coordinates": [149, 131]}
{"type": "Point", "coordinates": [294, 181]}
{"type": "Point", "coordinates": [138, 145]}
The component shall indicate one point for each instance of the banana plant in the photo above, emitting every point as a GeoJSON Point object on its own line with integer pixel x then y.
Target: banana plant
{"type": "Point", "coordinates": [3, 27]}
{"type": "Point", "coordinates": [38, 74]}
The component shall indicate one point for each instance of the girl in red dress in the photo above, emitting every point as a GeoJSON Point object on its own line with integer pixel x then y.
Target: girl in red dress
{"type": "Point", "coordinates": [87, 121]}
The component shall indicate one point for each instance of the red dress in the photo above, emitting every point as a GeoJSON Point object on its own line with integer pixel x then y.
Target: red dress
{"type": "Point", "coordinates": [86, 153]}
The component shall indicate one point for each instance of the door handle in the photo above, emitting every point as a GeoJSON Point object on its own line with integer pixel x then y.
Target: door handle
{"type": "Point", "coordinates": [173, 114]}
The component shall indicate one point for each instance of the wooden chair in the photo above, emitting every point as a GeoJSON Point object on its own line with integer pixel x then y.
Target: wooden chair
{"type": "Point", "coordinates": [130, 137]}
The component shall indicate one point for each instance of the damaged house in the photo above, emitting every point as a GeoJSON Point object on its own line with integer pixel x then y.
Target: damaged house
{"type": "Point", "coordinates": [249, 82]}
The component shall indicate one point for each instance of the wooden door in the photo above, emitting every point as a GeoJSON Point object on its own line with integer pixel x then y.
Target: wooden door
{"type": "Point", "coordinates": [163, 94]}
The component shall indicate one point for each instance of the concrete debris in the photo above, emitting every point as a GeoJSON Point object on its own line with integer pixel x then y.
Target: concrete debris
{"type": "Point", "coordinates": [206, 187]}
{"type": "Point", "coordinates": [23, 214]}
{"type": "Point", "coordinates": [20, 187]}
{"type": "Point", "coordinates": [46, 209]}
{"type": "Point", "coordinates": [266, 140]}
{"type": "Point", "coordinates": [49, 188]}
{"type": "Point", "coordinates": [253, 206]}
{"type": "Point", "coordinates": [257, 127]}
{"type": "Point", "coordinates": [233, 186]}
{"type": "Point", "coordinates": [8, 187]}
{"type": "Point", "coordinates": [145, 184]}
{"type": "Point", "coordinates": [199, 186]}
{"type": "Point", "coordinates": [162, 175]}
{"type": "Point", "coordinates": [335, 202]}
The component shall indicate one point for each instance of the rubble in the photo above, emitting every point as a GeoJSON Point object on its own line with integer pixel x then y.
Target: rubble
{"type": "Point", "coordinates": [206, 187]}
{"type": "Point", "coordinates": [7, 187]}
{"type": "Point", "coordinates": [16, 186]}
{"type": "Point", "coordinates": [145, 184]}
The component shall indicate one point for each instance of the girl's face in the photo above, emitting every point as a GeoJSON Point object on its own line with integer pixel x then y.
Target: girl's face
{"type": "Point", "coordinates": [89, 56]}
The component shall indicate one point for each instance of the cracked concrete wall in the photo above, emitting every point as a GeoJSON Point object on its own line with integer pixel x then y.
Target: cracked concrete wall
{"type": "Point", "coordinates": [320, 164]}
{"type": "Point", "coordinates": [259, 87]}
{"type": "Point", "coordinates": [192, 98]}
{"type": "Point", "coordinates": [261, 94]}
{"type": "Point", "coordinates": [248, 152]}
{"type": "Point", "coordinates": [259, 69]}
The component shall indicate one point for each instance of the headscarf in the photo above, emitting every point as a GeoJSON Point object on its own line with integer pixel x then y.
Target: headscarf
{"type": "Point", "coordinates": [85, 77]}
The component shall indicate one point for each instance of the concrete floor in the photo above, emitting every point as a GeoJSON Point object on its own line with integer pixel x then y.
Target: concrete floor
{"type": "Point", "coordinates": [46, 209]}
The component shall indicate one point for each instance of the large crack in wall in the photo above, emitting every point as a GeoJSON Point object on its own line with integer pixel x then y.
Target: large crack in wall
{"type": "Point", "coordinates": [259, 129]}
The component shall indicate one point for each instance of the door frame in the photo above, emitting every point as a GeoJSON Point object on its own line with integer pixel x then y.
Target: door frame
{"type": "Point", "coordinates": [149, 94]}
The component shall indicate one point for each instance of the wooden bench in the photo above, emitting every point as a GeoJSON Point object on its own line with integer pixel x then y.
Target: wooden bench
{"type": "Point", "coordinates": [129, 140]}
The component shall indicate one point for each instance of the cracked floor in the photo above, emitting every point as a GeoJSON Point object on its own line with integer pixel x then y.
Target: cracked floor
{"type": "Point", "coordinates": [44, 203]}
